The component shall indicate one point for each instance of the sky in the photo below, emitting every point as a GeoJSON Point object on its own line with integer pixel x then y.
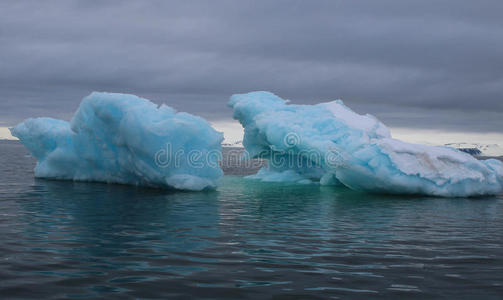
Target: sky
{"type": "Point", "coordinates": [430, 70]}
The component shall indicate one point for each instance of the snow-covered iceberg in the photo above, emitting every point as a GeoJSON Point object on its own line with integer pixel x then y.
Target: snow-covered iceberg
{"type": "Point", "coordinates": [330, 143]}
{"type": "Point", "coordinates": [120, 138]}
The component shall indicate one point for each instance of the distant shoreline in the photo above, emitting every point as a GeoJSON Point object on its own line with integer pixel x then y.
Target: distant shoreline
{"type": "Point", "coordinates": [479, 157]}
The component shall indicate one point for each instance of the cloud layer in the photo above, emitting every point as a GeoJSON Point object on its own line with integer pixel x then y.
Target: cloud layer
{"type": "Point", "coordinates": [419, 64]}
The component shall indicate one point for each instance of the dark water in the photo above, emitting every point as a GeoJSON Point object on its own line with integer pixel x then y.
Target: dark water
{"type": "Point", "coordinates": [247, 240]}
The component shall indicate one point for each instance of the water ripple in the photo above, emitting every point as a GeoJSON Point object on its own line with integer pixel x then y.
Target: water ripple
{"type": "Point", "coordinates": [245, 240]}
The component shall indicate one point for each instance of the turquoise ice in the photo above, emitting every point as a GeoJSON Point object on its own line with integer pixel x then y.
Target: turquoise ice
{"type": "Point", "coordinates": [120, 138]}
{"type": "Point", "coordinates": [330, 143]}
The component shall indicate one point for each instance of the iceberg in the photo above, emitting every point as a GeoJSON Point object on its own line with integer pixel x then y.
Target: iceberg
{"type": "Point", "coordinates": [119, 138]}
{"type": "Point", "coordinates": [333, 145]}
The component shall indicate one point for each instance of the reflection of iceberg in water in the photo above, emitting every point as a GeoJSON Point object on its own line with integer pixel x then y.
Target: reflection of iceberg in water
{"type": "Point", "coordinates": [100, 228]}
{"type": "Point", "coordinates": [79, 239]}
{"type": "Point", "coordinates": [330, 143]}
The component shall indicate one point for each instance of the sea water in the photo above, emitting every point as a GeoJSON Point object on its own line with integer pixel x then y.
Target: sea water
{"type": "Point", "coordinates": [248, 240]}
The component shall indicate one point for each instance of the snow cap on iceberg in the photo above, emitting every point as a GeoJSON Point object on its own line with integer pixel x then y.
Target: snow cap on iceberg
{"type": "Point", "coordinates": [121, 138]}
{"type": "Point", "coordinates": [330, 143]}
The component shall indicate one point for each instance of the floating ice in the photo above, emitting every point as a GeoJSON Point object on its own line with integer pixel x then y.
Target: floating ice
{"type": "Point", "coordinates": [331, 143]}
{"type": "Point", "coordinates": [120, 138]}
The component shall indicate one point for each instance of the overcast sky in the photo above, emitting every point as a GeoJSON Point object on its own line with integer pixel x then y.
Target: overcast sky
{"type": "Point", "coordinates": [414, 64]}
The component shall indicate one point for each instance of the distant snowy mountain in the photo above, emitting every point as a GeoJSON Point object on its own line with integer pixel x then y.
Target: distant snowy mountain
{"type": "Point", "coordinates": [234, 144]}
{"type": "Point", "coordinates": [5, 134]}
{"type": "Point", "coordinates": [478, 149]}
{"type": "Point", "coordinates": [471, 148]}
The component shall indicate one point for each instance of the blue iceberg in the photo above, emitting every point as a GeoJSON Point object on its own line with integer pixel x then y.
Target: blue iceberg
{"type": "Point", "coordinates": [330, 143]}
{"type": "Point", "coordinates": [118, 138]}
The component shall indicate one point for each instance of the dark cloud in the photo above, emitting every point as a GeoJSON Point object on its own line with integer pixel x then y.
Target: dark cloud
{"type": "Point", "coordinates": [437, 62]}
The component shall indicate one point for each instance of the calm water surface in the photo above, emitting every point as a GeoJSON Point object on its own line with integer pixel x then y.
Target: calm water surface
{"type": "Point", "coordinates": [246, 240]}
